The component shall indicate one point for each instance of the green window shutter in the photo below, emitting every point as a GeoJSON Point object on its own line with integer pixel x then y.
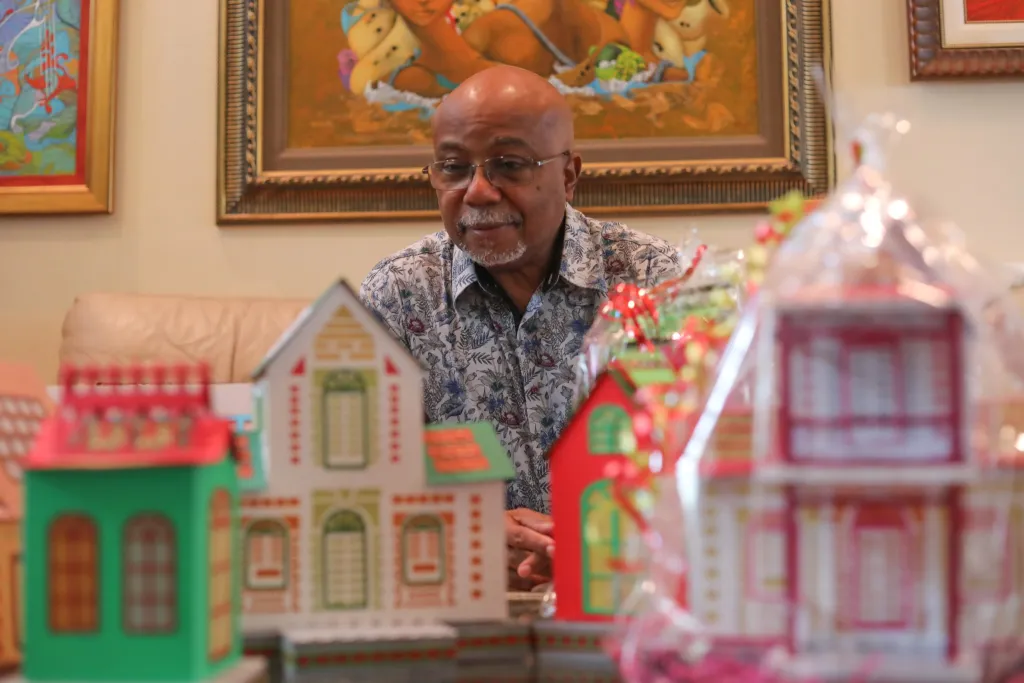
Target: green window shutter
{"type": "Point", "coordinates": [600, 544]}
{"type": "Point", "coordinates": [345, 420]}
{"type": "Point", "coordinates": [606, 428]}
{"type": "Point", "coordinates": [606, 530]}
{"type": "Point", "coordinates": [344, 550]}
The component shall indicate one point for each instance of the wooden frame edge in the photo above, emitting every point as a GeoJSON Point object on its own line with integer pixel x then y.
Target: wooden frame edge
{"type": "Point", "coordinates": [220, 208]}
{"type": "Point", "coordinates": [931, 61]}
{"type": "Point", "coordinates": [96, 195]}
{"type": "Point", "coordinates": [254, 197]}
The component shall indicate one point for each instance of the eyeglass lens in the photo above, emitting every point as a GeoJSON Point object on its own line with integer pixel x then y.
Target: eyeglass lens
{"type": "Point", "coordinates": [499, 171]}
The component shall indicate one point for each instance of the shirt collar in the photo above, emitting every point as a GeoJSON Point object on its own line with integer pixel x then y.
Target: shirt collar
{"type": "Point", "coordinates": [581, 264]}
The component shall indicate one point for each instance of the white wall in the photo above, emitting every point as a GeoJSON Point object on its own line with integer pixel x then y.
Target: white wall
{"type": "Point", "coordinates": [963, 158]}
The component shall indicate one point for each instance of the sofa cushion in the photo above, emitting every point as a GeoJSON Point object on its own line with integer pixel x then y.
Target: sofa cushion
{"type": "Point", "coordinates": [261, 322]}
{"type": "Point", "coordinates": [231, 335]}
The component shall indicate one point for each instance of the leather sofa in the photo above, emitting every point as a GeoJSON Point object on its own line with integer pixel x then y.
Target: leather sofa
{"type": "Point", "coordinates": [231, 334]}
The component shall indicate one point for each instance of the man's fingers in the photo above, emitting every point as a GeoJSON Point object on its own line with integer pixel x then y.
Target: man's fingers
{"type": "Point", "coordinates": [516, 557]}
{"type": "Point", "coordinates": [544, 526]}
{"type": "Point", "coordinates": [528, 539]}
{"type": "Point", "coordinates": [524, 583]}
{"type": "Point", "coordinates": [518, 583]}
{"type": "Point", "coordinates": [534, 520]}
{"type": "Point", "coordinates": [535, 566]}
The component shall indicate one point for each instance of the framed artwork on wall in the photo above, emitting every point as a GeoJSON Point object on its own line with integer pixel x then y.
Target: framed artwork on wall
{"type": "Point", "coordinates": [952, 39]}
{"type": "Point", "coordinates": [58, 72]}
{"type": "Point", "coordinates": [686, 105]}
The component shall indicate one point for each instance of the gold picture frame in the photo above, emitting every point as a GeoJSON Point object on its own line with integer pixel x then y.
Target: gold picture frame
{"type": "Point", "coordinates": [261, 179]}
{"type": "Point", "coordinates": [88, 188]}
{"type": "Point", "coordinates": [937, 55]}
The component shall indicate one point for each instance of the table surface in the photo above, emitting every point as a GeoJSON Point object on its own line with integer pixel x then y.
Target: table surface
{"type": "Point", "coordinates": [248, 670]}
{"type": "Point", "coordinates": [412, 675]}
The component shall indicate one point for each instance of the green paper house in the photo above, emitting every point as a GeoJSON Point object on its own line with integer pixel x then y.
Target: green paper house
{"type": "Point", "coordinates": [130, 535]}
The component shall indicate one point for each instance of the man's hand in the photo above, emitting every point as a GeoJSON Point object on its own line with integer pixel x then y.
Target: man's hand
{"type": "Point", "coordinates": [530, 548]}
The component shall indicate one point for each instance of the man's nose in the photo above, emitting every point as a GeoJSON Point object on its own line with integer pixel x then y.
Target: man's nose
{"type": "Point", "coordinates": [480, 191]}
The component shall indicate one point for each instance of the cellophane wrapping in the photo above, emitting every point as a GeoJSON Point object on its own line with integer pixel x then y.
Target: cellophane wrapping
{"type": "Point", "coordinates": [846, 505]}
{"type": "Point", "coordinates": [709, 281]}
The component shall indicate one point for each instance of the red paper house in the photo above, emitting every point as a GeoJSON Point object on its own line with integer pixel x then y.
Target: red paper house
{"type": "Point", "coordinates": [591, 531]}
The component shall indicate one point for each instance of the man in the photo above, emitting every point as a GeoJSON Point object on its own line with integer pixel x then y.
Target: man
{"type": "Point", "coordinates": [495, 307]}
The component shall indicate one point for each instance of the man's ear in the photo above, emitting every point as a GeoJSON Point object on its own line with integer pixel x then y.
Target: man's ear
{"type": "Point", "coordinates": [572, 175]}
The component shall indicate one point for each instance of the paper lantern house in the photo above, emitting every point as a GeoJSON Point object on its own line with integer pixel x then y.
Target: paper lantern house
{"type": "Point", "coordinates": [371, 521]}
{"type": "Point", "coordinates": [593, 535]}
{"type": "Point", "coordinates": [24, 404]}
{"type": "Point", "coordinates": [130, 533]}
{"type": "Point", "coordinates": [866, 518]}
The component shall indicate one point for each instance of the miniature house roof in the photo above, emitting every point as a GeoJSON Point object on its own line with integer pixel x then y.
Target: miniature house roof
{"type": "Point", "coordinates": [856, 250]}
{"type": "Point", "coordinates": [316, 315]}
{"type": "Point", "coordinates": [862, 252]}
{"type": "Point", "coordinates": [630, 374]}
{"type": "Point", "coordinates": [637, 375]}
{"type": "Point", "coordinates": [24, 404]}
{"type": "Point", "coordinates": [638, 362]}
{"type": "Point", "coordinates": [465, 453]}
{"type": "Point", "coordinates": [163, 418]}
{"type": "Point", "coordinates": [653, 366]}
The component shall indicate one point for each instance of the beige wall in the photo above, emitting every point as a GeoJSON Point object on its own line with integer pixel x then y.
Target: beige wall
{"type": "Point", "coordinates": [963, 157]}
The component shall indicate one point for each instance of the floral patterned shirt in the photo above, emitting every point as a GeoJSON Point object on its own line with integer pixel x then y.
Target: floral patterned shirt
{"type": "Point", "coordinates": [485, 361]}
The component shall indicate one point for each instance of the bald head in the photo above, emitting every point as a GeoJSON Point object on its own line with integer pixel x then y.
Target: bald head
{"type": "Point", "coordinates": [518, 97]}
{"type": "Point", "coordinates": [505, 141]}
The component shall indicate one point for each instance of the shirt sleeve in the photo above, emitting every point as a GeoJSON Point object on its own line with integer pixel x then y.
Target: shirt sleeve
{"type": "Point", "coordinates": [379, 293]}
{"type": "Point", "coordinates": [661, 262]}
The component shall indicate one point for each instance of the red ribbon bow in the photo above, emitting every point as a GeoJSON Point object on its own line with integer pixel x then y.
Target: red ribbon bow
{"type": "Point", "coordinates": [670, 287]}
{"type": "Point", "coordinates": [631, 304]}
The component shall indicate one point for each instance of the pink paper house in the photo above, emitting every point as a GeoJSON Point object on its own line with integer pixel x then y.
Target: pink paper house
{"type": "Point", "coordinates": [24, 404]}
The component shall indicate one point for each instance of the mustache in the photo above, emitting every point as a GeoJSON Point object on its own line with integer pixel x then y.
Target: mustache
{"type": "Point", "coordinates": [477, 218]}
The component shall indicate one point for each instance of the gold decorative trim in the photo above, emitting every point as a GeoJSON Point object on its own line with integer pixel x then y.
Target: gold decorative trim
{"type": "Point", "coordinates": [931, 59]}
{"type": "Point", "coordinates": [249, 194]}
{"type": "Point", "coordinates": [96, 194]}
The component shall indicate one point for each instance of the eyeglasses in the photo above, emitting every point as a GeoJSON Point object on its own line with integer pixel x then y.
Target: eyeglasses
{"type": "Point", "coordinates": [503, 171]}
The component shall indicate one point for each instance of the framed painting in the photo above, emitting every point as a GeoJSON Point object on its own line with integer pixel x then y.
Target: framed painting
{"type": "Point", "coordinates": [58, 70]}
{"type": "Point", "coordinates": [966, 38]}
{"type": "Point", "coordinates": [680, 105]}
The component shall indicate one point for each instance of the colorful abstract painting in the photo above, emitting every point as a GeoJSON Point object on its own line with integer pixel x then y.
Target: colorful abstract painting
{"type": "Point", "coordinates": [43, 53]}
{"type": "Point", "coordinates": [679, 105]}
{"type": "Point", "coordinates": [371, 72]}
{"type": "Point", "coordinates": [994, 10]}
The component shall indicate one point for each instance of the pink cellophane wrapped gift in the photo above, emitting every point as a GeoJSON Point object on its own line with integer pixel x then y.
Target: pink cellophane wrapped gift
{"type": "Point", "coordinates": [846, 505]}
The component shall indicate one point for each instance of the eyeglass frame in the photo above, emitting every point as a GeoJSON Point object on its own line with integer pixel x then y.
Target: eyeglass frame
{"type": "Point", "coordinates": [531, 162]}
